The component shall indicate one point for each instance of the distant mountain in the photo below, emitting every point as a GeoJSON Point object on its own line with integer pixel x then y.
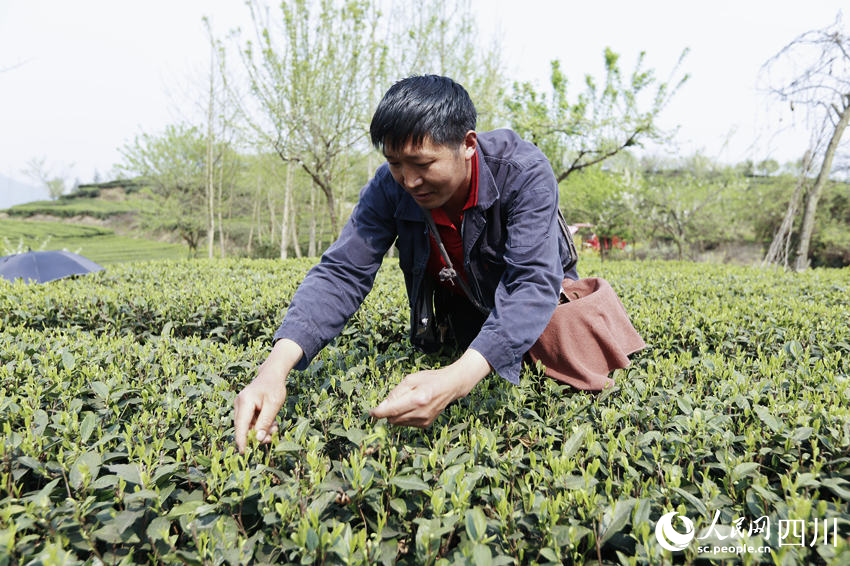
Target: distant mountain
{"type": "Point", "coordinates": [14, 192]}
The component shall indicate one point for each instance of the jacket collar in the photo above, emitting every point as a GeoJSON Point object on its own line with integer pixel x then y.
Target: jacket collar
{"type": "Point", "coordinates": [488, 192]}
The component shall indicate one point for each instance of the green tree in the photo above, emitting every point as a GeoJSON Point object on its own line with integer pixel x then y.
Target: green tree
{"type": "Point", "coordinates": [768, 167]}
{"type": "Point", "coordinates": [831, 240]}
{"type": "Point", "coordinates": [174, 165]}
{"type": "Point", "coordinates": [686, 209]}
{"type": "Point", "coordinates": [604, 198]}
{"type": "Point", "coordinates": [599, 122]}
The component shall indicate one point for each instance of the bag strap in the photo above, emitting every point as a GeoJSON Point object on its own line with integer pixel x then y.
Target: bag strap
{"type": "Point", "coordinates": [571, 247]}
{"type": "Point", "coordinates": [448, 273]}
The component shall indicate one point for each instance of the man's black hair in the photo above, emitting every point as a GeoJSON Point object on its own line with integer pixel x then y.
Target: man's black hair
{"type": "Point", "coordinates": [422, 106]}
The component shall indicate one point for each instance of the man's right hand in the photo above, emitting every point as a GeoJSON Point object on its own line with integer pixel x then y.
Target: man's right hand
{"type": "Point", "coordinates": [259, 402]}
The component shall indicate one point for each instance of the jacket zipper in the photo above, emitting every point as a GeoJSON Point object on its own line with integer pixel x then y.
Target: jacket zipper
{"type": "Point", "coordinates": [467, 263]}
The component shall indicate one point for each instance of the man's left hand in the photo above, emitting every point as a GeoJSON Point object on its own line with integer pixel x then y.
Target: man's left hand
{"type": "Point", "coordinates": [422, 396]}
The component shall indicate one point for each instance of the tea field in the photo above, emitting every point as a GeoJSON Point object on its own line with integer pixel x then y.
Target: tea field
{"type": "Point", "coordinates": [116, 396]}
{"type": "Point", "coordinates": [100, 244]}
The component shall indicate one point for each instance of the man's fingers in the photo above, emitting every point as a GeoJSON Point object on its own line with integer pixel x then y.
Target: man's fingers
{"type": "Point", "coordinates": [409, 395]}
{"type": "Point", "coordinates": [411, 418]}
{"type": "Point", "coordinates": [272, 431]}
{"type": "Point", "coordinates": [399, 391]}
{"type": "Point", "coordinates": [265, 420]}
{"type": "Point", "coordinates": [410, 400]}
{"type": "Point", "coordinates": [244, 412]}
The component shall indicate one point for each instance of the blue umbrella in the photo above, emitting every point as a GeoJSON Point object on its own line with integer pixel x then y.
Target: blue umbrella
{"type": "Point", "coordinates": [41, 267]}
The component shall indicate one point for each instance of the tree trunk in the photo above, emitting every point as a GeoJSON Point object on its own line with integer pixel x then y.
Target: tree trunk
{"type": "Point", "coordinates": [311, 246]}
{"type": "Point", "coordinates": [331, 206]}
{"type": "Point", "coordinates": [220, 207]}
{"type": "Point", "coordinates": [296, 245]}
{"type": "Point", "coordinates": [251, 234]}
{"type": "Point", "coordinates": [210, 188]}
{"type": "Point", "coordinates": [284, 224]}
{"type": "Point", "coordinates": [272, 219]}
{"type": "Point", "coordinates": [779, 246]}
{"type": "Point", "coordinates": [255, 211]}
{"type": "Point", "coordinates": [814, 194]}
{"type": "Point", "coordinates": [320, 240]}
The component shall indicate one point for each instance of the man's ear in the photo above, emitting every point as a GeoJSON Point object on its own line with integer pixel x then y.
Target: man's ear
{"type": "Point", "coordinates": [470, 142]}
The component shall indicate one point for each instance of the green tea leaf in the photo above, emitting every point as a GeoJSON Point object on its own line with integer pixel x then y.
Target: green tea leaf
{"type": "Point", "coordinates": [100, 389]}
{"type": "Point", "coordinates": [86, 465]}
{"type": "Point", "coordinates": [744, 469]}
{"type": "Point", "coordinates": [167, 329]}
{"type": "Point", "coordinates": [42, 497]}
{"type": "Point", "coordinates": [616, 518]}
{"type": "Point", "coordinates": [130, 473]}
{"type": "Point", "coordinates": [838, 486]}
{"type": "Point", "coordinates": [573, 443]}
{"type": "Point", "coordinates": [87, 427]}
{"type": "Point", "coordinates": [409, 483]}
{"type": "Point", "coordinates": [399, 506]}
{"type": "Point", "coordinates": [68, 360]}
{"type": "Point", "coordinates": [481, 555]}
{"type": "Point", "coordinates": [802, 433]}
{"type": "Point", "coordinates": [186, 508]}
{"type": "Point", "coordinates": [476, 524]}
{"type": "Point", "coordinates": [158, 529]}
{"type": "Point", "coordinates": [772, 422]}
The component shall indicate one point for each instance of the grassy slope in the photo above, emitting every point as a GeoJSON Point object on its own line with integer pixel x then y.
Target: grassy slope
{"type": "Point", "coordinates": [99, 244]}
{"type": "Point", "coordinates": [69, 207]}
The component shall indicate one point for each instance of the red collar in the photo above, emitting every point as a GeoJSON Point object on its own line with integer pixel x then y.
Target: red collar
{"type": "Point", "coordinates": [440, 217]}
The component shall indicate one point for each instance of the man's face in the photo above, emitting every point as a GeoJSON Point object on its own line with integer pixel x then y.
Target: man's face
{"type": "Point", "coordinates": [434, 175]}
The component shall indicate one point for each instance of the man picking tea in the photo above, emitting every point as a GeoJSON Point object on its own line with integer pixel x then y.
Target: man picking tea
{"type": "Point", "coordinates": [480, 242]}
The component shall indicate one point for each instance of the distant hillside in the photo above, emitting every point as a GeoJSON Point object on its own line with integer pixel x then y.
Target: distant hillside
{"type": "Point", "coordinates": [114, 208]}
{"type": "Point", "coordinates": [96, 200]}
{"type": "Point", "coordinates": [99, 244]}
{"type": "Point", "coordinates": [14, 192]}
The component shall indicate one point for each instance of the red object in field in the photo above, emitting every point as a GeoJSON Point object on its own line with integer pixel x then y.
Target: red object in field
{"type": "Point", "coordinates": [605, 243]}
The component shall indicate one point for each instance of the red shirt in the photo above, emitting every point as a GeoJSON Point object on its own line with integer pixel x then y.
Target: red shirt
{"type": "Point", "coordinates": [451, 237]}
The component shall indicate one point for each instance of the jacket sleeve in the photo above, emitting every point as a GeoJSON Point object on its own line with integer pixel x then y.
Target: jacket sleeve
{"type": "Point", "coordinates": [528, 290]}
{"type": "Point", "coordinates": [333, 290]}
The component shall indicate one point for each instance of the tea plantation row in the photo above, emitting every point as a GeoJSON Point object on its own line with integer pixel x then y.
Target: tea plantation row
{"type": "Point", "coordinates": [116, 393]}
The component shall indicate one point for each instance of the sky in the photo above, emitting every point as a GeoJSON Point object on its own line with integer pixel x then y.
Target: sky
{"type": "Point", "coordinates": [80, 79]}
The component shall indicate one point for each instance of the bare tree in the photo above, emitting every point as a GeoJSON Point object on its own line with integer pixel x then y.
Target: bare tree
{"type": "Point", "coordinates": [443, 38]}
{"type": "Point", "coordinates": [780, 247]}
{"type": "Point", "coordinates": [55, 183]}
{"type": "Point", "coordinates": [308, 72]}
{"type": "Point", "coordinates": [315, 71]}
{"type": "Point", "coordinates": [820, 86]}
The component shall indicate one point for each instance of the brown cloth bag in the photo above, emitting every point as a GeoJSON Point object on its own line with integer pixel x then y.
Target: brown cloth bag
{"type": "Point", "coordinates": [589, 336]}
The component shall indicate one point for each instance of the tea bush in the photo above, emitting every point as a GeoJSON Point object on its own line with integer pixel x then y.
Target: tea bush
{"type": "Point", "coordinates": [116, 415]}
